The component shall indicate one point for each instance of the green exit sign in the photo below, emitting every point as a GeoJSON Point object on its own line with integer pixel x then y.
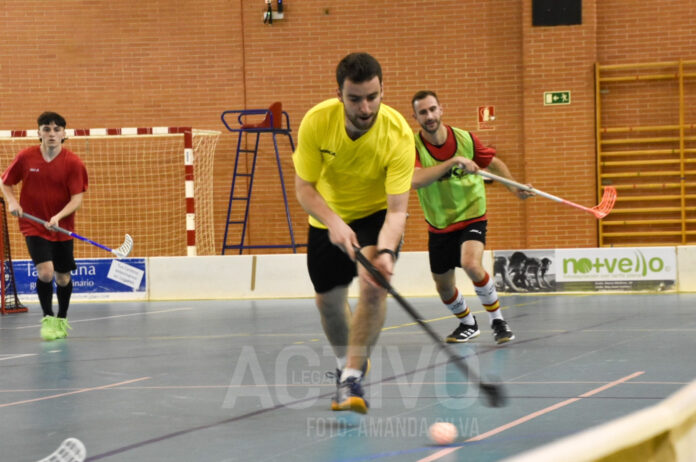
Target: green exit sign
{"type": "Point", "coordinates": [556, 97]}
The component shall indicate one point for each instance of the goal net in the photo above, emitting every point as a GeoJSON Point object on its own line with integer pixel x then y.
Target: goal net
{"type": "Point", "coordinates": [155, 184]}
{"type": "Point", "coordinates": [9, 300]}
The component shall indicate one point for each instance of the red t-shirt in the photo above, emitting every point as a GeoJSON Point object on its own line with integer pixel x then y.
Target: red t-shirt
{"type": "Point", "coordinates": [46, 188]}
{"type": "Point", "coordinates": [483, 155]}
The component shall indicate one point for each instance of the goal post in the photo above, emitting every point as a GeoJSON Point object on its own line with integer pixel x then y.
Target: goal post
{"type": "Point", "coordinates": [155, 184]}
{"type": "Point", "coordinates": [9, 300]}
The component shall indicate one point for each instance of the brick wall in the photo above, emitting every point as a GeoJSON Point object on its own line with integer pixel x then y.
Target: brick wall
{"type": "Point", "coordinates": [179, 62]}
{"type": "Point", "coordinates": [559, 140]}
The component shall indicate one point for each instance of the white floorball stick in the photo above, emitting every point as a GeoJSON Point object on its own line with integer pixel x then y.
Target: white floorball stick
{"type": "Point", "coordinates": [120, 252]}
{"type": "Point", "coordinates": [600, 210]}
{"type": "Point", "coordinates": [70, 450]}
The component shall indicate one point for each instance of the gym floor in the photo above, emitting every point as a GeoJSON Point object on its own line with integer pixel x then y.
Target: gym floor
{"type": "Point", "coordinates": [245, 380]}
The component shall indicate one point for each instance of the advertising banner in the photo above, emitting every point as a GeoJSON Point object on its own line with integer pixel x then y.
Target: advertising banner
{"type": "Point", "coordinates": [524, 271]}
{"type": "Point", "coordinates": [93, 278]}
{"type": "Point", "coordinates": [608, 269]}
{"type": "Point", "coordinates": [586, 270]}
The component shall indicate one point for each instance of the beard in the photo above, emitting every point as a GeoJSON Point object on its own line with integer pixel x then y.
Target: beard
{"type": "Point", "coordinates": [426, 126]}
{"type": "Point", "coordinates": [361, 123]}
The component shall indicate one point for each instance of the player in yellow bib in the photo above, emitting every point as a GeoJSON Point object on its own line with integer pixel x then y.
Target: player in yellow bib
{"type": "Point", "coordinates": [454, 205]}
{"type": "Point", "coordinates": [354, 163]}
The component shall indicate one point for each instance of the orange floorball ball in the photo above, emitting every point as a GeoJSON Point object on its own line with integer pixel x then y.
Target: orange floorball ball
{"type": "Point", "coordinates": [442, 433]}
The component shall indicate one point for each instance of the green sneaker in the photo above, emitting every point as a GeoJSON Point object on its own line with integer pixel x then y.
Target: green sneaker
{"type": "Point", "coordinates": [61, 326]}
{"type": "Point", "coordinates": [48, 328]}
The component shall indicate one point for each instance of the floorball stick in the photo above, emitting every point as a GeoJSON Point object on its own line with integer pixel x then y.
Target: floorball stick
{"type": "Point", "coordinates": [600, 210]}
{"type": "Point", "coordinates": [120, 252]}
{"type": "Point", "coordinates": [494, 393]}
{"type": "Point", "coordinates": [70, 450]}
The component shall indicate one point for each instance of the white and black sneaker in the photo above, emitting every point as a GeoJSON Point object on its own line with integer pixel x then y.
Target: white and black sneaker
{"type": "Point", "coordinates": [337, 375]}
{"type": "Point", "coordinates": [501, 331]}
{"type": "Point", "coordinates": [463, 333]}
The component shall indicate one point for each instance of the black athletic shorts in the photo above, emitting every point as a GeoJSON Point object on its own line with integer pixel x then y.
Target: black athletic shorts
{"type": "Point", "coordinates": [445, 249]}
{"type": "Point", "coordinates": [59, 252]}
{"type": "Point", "coordinates": [328, 265]}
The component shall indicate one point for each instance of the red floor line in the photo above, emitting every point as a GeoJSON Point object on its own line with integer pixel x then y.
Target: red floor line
{"type": "Point", "coordinates": [82, 390]}
{"type": "Point", "coordinates": [528, 417]}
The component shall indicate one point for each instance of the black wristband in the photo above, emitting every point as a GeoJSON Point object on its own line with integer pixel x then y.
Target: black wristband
{"type": "Point", "coordinates": [389, 251]}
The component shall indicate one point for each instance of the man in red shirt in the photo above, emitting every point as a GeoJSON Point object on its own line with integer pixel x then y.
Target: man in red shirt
{"type": "Point", "coordinates": [53, 181]}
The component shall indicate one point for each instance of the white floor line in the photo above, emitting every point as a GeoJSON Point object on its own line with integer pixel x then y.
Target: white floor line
{"type": "Point", "coordinates": [5, 357]}
{"type": "Point", "coordinates": [114, 316]}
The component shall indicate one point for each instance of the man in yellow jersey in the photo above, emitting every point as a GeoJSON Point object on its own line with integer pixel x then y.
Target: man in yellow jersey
{"type": "Point", "coordinates": [454, 205]}
{"type": "Point", "coordinates": [354, 162]}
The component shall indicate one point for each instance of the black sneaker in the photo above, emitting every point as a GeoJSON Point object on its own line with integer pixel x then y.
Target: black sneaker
{"type": "Point", "coordinates": [501, 331]}
{"type": "Point", "coordinates": [464, 333]}
{"type": "Point", "coordinates": [349, 397]}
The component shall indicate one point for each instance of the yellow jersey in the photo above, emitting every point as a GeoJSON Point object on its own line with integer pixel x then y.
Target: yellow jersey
{"type": "Point", "coordinates": [354, 177]}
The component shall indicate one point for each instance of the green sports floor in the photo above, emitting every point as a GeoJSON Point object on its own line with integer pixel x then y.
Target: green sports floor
{"type": "Point", "coordinates": [245, 380]}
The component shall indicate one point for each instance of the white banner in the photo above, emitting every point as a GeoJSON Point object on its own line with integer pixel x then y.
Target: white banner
{"type": "Point", "coordinates": [641, 268]}
{"type": "Point", "coordinates": [125, 274]}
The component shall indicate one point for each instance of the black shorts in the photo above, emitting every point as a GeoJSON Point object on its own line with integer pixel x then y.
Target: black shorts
{"type": "Point", "coordinates": [59, 252]}
{"type": "Point", "coordinates": [328, 265]}
{"type": "Point", "coordinates": [445, 249]}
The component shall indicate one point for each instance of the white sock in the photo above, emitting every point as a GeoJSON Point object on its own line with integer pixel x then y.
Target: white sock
{"type": "Point", "coordinates": [348, 372]}
{"type": "Point", "coordinates": [459, 308]}
{"type": "Point", "coordinates": [493, 315]}
{"type": "Point", "coordinates": [340, 362]}
{"type": "Point", "coordinates": [485, 289]}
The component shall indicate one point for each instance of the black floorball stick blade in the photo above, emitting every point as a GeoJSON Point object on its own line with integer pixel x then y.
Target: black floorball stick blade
{"type": "Point", "coordinates": [494, 394]}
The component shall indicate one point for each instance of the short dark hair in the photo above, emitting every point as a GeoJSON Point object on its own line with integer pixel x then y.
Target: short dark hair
{"type": "Point", "coordinates": [47, 117]}
{"type": "Point", "coordinates": [358, 68]}
{"type": "Point", "coordinates": [423, 94]}
{"type": "Point", "coordinates": [518, 258]}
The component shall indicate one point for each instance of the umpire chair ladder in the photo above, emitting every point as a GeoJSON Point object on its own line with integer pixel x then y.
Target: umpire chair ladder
{"type": "Point", "coordinates": [272, 124]}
